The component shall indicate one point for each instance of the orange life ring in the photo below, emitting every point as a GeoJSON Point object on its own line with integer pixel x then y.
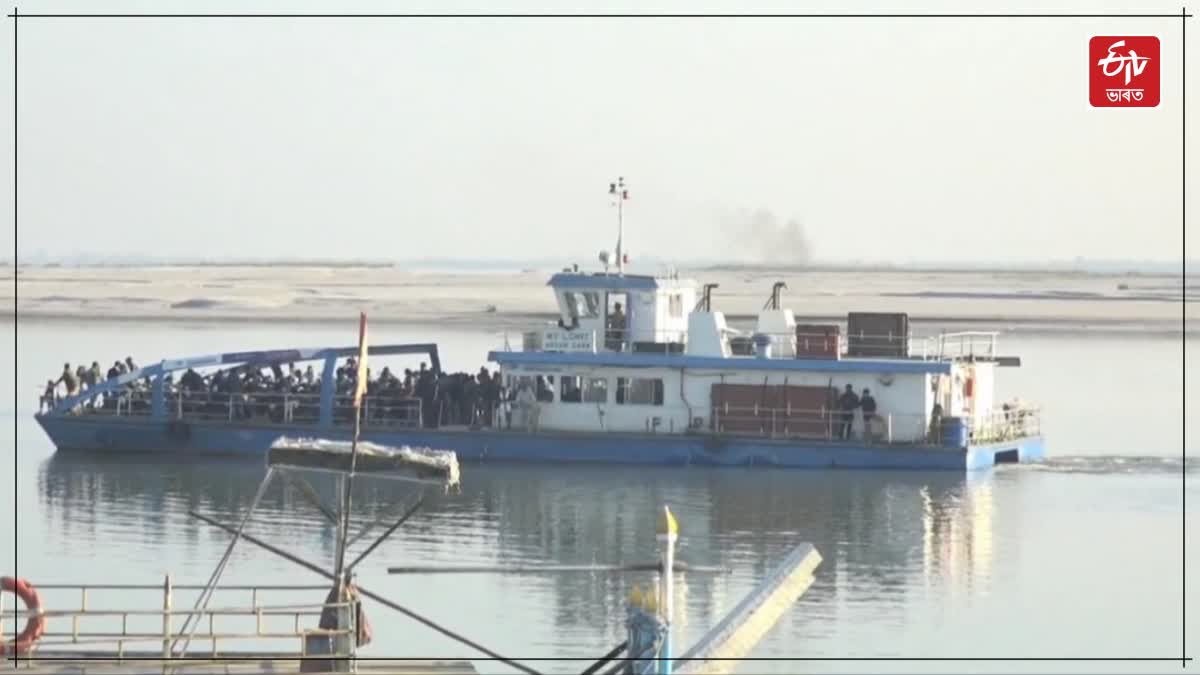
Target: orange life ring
{"type": "Point", "coordinates": [35, 626]}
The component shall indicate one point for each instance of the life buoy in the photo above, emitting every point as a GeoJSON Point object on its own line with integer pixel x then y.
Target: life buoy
{"type": "Point", "coordinates": [35, 626]}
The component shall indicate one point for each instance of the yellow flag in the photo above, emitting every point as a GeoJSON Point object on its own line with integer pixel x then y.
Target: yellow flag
{"type": "Point", "coordinates": [360, 385]}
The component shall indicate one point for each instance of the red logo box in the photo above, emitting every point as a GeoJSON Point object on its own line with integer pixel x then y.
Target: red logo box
{"type": "Point", "coordinates": [1123, 71]}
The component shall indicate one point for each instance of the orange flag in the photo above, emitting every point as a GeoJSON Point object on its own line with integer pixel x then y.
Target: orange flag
{"type": "Point", "coordinates": [360, 384]}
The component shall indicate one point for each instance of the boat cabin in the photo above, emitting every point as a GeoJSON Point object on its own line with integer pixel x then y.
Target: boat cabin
{"type": "Point", "coordinates": [637, 353]}
{"type": "Point", "coordinates": [616, 313]}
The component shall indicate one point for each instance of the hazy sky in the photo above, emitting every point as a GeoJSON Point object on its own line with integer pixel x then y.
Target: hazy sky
{"type": "Point", "coordinates": [881, 139]}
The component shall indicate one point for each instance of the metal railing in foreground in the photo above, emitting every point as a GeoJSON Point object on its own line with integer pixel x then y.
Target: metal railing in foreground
{"type": "Point", "coordinates": [260, 622]}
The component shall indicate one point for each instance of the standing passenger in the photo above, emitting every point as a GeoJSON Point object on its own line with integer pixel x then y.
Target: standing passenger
{"type": "Point", "coordinates": [848, 403]}
{"type": "Point", "coordinates": [527, 407]}
{"type": "Point", "coordinates": [868, 413]}
{"type": "Point", "coordinates": [47, 400]}
{"type": "Point", "coordinates": [615, 338]}
{"type": "Point", "coordinates": [68, 380]}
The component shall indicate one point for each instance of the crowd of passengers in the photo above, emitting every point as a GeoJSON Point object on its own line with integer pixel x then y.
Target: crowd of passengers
{"type": "Point", "coordinates": [290, 394]}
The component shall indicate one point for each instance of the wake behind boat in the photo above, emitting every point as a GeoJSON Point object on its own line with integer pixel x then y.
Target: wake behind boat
{"type": "Point", "coordinates": [638, 369]}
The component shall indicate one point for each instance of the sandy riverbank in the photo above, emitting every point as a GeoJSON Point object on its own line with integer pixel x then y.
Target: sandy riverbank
{"type": "Point", "coordinates": [511, 300]}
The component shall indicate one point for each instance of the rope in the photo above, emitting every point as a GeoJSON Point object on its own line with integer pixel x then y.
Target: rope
{"type": "Point", "coordinates": [627, 663]}
{"type": "Point", "coordinates": [606, 658]}
{"type": "Point", "coordinates": [368, 594]}
{"type": "Point", "coordinates": [206, 594]}
{"type": "Point", "coordinates": [385, 535]}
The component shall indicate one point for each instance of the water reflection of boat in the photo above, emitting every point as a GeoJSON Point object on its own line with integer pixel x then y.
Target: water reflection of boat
{"type": "Point", "coordinates": [884, 531]}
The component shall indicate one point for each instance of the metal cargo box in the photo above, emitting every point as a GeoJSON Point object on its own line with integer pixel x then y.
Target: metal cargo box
{"type": "Point", "coordinates": [877, 334]}
{"type": "Point", "coordinates": [818, 341]}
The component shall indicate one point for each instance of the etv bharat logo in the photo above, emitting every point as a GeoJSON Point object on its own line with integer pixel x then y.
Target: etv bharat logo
{"type": "Point", "coordinates": [1123, 72]}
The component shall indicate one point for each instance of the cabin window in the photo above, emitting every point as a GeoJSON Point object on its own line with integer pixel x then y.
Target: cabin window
{"type": "Point", "coordinates": [583, 304]}
{"type": "Point", "coordinates": [640, 391]}
{"type": "Point", "coordinates": [544, 388]}
{"type": "Point", "coordinates": [596, 390]}
{"type": "Point", "coordinates": [675, 306]}
{"type": "Point", "coordinates": [572, 389]}
{"type": "Point", "coordinates": [517, 382]}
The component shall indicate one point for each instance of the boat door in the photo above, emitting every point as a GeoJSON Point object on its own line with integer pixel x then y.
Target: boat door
{"type": "Point", "coordinates": [616, 321]}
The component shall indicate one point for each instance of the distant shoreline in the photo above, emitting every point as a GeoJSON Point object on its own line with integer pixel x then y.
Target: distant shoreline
{"type": "Point", "coordinates": [1099, 269]}
{"type": "Point", "coordinates": [515, 324]}
{"type": "Point", "coordinates": [517, 301]}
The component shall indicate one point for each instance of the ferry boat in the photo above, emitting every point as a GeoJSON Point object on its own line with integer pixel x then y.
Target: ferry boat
{"type": "Point", "coordinates": [638, 369]}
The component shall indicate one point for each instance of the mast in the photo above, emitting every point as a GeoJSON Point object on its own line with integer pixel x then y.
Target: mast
{"type": "Point", "coordinates": [619, 193]}
{"type": "Point", "coordinates": [347, 480]}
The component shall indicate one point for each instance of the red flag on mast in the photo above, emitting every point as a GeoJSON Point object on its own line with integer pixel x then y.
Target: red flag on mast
{"type": "Point", "coordinates": [360, 378]}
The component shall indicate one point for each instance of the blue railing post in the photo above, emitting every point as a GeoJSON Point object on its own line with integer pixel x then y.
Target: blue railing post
{"type": "Point", "coordinates": [158, 405]}
{"type": "Point", "coordinates": [328, 387]}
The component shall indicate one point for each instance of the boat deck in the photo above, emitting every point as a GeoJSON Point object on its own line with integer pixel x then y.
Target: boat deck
{"type": "Point", "coordinates": [75, 663]}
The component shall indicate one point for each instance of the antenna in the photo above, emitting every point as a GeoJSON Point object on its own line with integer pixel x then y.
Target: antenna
{"type": "Point", "coordinates": [619, 193]}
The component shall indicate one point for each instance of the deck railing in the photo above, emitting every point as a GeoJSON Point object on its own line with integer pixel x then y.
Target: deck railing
{"type": "Point", "coordinates": [818, 424]}
{"type": "Point", "coordinates": [379, 410]}
{"type": "Point", "coordinates": [941, 347]}
{"type": "Point", "coordinates": [73, 627]}
{"type": "Point", "coordinates": [889, 428]}
{"type": "Point", "coordinates": [785, 423]}
{"type": "Point", "coordinates": [1006, 425]}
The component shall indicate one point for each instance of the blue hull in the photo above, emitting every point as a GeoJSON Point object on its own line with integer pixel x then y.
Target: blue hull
{"type": "Point", "coordinates": [143, 435]}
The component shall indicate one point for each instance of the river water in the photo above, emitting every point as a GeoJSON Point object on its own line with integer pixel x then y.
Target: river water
{"type": "Point", "coordinates": [1078, 557]}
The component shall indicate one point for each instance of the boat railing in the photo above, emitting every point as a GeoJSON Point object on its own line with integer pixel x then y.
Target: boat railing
{"type": "Point", "coordinates": [381, 410]}
{"type": "Point", "coordinates": [1018, 421]}
{"type": "Point", "coordinates": [962, 345]}
{"type": "Point", "coordinates": [127, 402]}
{"type": "Point", "coordinates": [890, 428]}
{"type": "Point", "coordinates": [818, 424]}
{"type": "Point", "coordinates": [98, 619]}
{"type": "Point", "coordinates": [748, 343]}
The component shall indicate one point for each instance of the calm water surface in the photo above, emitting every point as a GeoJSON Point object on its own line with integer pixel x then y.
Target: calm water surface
{"type": "Point", "coordinates": [1077, 557]}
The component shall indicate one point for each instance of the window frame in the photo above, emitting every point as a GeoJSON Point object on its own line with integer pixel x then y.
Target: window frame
{"type": "Point", "coordinates": [589, 387]}
{"type": "Point", "coordinates": [625, 389]}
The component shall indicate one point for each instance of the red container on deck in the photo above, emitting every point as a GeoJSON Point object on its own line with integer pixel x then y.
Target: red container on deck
{"type": "Point", "coordinates": [818, 341]}
{"type": "Point", "coordinates": [773, 410]}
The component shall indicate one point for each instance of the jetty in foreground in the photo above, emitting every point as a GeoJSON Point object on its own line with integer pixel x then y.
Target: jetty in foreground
{"type": "Point", "coordinates": [181, 628]}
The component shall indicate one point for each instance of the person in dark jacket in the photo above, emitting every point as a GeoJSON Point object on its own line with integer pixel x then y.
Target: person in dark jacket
{"type": "Point", "coordinates": [847, 404]}
{"type": "Point", "coordinates": [867, 403]}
